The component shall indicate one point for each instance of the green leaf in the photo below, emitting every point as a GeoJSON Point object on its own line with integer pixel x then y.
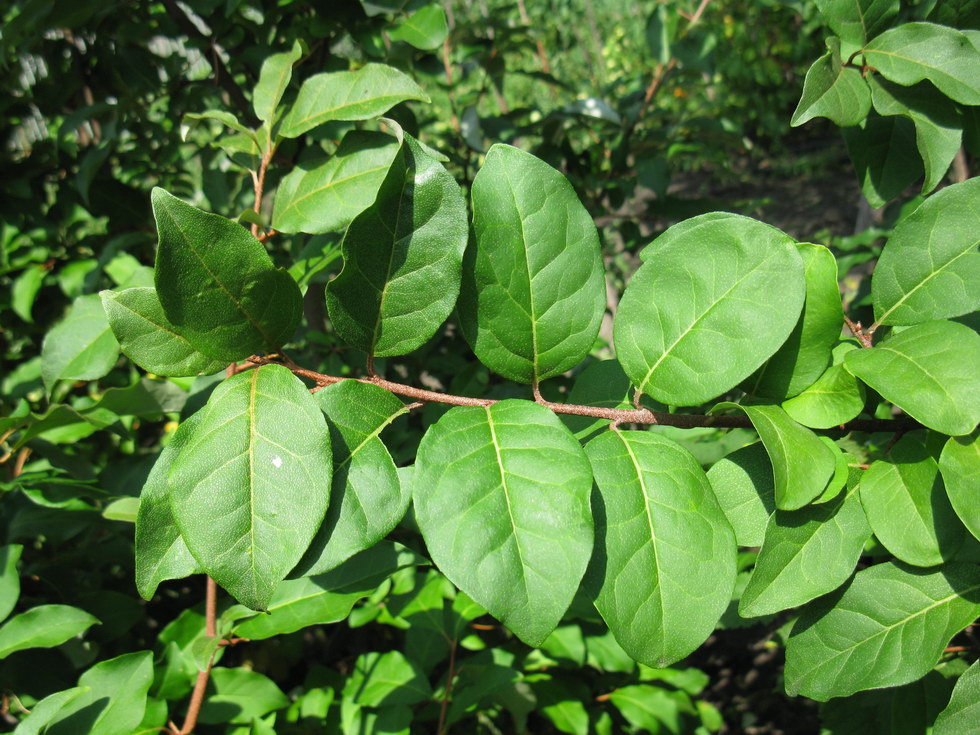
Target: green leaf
{"type": "Point", "coordinates": [368, 92]}
{"type": "Point", "coordinates": [46, 710]}
{"type": "Point", "coordinates": [239, 695]}
{"type": "Point", "coordinates": [833, 399]}
{"type": "Point", "coordinates": [930, 267]}
{"type": "Point", "coordinates": [533, 291]}
{"type": "Point", "coordinates": [913, 52]}
{"type": "Point", "coordinates": [81, 346]}
{"type": "Point", "coordinates": [929, 371]}
{"type": "Point", "coordinates": [512, 481]}
{"type": "Point", "coordinates": [959, 464]}
{"type": "Point", "coordinates": [938, 127]}
{"type": "Point", "coordinates": [838, 93]}
{"type": "Point", "coordinates": [850, 641]}
{"type": "Point", "coordinates": [805, 354]}
{"type": "Point", "coordinates": [148, 338]}
{"type": "Point", "coordinates": [963, 711]}
{"type": "Point", "coordinates": [249, 487]}
{"type": "Point", "coordinates": [806, 553]}
{"type": "Point", "coordinates": [907, 506]}
{"type": "Point", "coordinates": [44, 626]}
{"type": "Point", "coordinates": [366, 500]}
{"type": "Point", "coordinates": [424, 29]}
{"type": "Point", "coordinates": [883, 152]}
{"type": "Point", "coordinates": [658, 526]}
{"type": "Point", "coordinates": [324, 196]}
{"type": "Point", "coordinates": [9, 578]}
{"type": "Point", "coordinates": [277, 70]}
{"type": "Point", "coordinates": [122, 509]}
{"type": "Point", "coordinates": [217, 284]}
{"type": "Point", "coordinates": [24, 291]}
{"type": "Point", "coordinates": [223, 117]}
{"type": "Point", "coordinates": [743, 484]}
{"type": "Point", "coordinates": [653, 709]}
{"type": "Point", "coordinates": [402, 259]}
{"type": "Point", "coordinates": [802, 465]}
{"type": "Point", "coordinates": [386, 680]}
{"type": "Point", "coordinates": [113, 700]}
{"type": "Point", "coordinates": [856, 21]}
{"type": "Point", "coordinates": [161, 553]}
{"type": "Point", "coordinates": [706, 284]}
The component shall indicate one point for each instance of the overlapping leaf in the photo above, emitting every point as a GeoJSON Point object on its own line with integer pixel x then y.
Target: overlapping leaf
{"type": "Point", "coordinates": [834, 398]}
{"type": "Point", "coordinates": [250, 486]}
{"type": "Point", "coordinates": [501, 496]}
{"type": "Point", "coordinates": [43, 626]}
{"type": "Point", "coordinates": [833, 91]}
{"type": "Point", "coordinates": [743, 484]}
{"type": "Point", "coordinates": [81, 346]}
{"type": "Point", "coordinates": [963, 711]}
{"type": "Point", "coordinates": [883, 152]}
{"type": "Point", "coordinates": [424, 29]}
{"type": "Point", "coordinates": [706, 288]}
{"type": "Point", "coordinates": [533, 288]}
{"type": "Point", "coordinates": [402, 258]}
{"type": "Point", "coordinates": [856, 21]}
{"type": "Point", "coordinates": [658, 527]}
{"type": "Point", "coordinates": [959, 464]}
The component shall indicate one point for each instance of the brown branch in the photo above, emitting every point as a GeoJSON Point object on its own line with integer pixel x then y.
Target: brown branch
{"type": "Point", "coordinates": [201, 685]}
{"type": "Point", "coordinates": [259, 186]}
{"type": "Point", "coordinates": [863, 335]}
{"type": "Point", "coordinates": [642, 416]}
{"type": "Point", "coordinates": [443, 707]}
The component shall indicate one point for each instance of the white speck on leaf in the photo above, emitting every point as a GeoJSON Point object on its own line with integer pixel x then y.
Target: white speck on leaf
{"type": "Point", "coordinates": [277, 461]}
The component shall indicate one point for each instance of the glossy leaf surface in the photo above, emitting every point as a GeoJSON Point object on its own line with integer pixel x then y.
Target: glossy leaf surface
{"type": "Point", "coordinates": [250, 486]}
{"type": "Point", "coordinates": [658, 527]}
{"type": "Point", "coordinates": [674, 317]}
{"type": "Point", "coordinates": [743, 484]}
{"type": "Point", "coordinates": [402, 258]}
{"type": "Point", "coordinates": [929, 371]}
{"type": "Point", "coordinates": [81, 346]}
{"type": "Point", "coordinates": [849, 641]}
{"type": "Point", "coordinates": [533, 288]}
{"type": "Point", "coordinates": [501, 496]}
{"type": "Point", "coordinates": [43, 626]}
{"type": "Point", "coordinates": [959, 464]}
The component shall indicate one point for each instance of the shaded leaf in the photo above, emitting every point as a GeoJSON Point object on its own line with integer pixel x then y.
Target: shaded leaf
{"type": "Point", "coordinates": [834, 398]}
{"type": "Point", "coordinates": [424, 29]}
{"type": "Point", "coordinates": [856, 21]}
{"type": "Point", "coordinates": [81, 346]}
{"type": "Point", "coordinates": [743, 484]}
{"type": "Point", "coordinates": [9, 578]}
{"type": "Point", "coordinates": [963, 711]}
{"type": "Point", "coordinates": [277, 70]}
{"type": "Point", "coordinates": [959, 464]}
{"type": "Point", "coordinates": [239, 695]}
{"type": "Point", "coordinates": [833, 91]}
{"type": "Point", "coordinates": [386, 679]}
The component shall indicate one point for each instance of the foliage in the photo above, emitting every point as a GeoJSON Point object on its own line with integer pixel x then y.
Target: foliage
{"type": "Point", "coordinates": [530, 538]}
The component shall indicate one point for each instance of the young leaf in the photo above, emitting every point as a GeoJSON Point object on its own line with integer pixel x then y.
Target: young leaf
{"type": "Point", "coordinates": [833, 91]}
{"type": "Point", "coordinates": [250, 486]}
{"type": "Point", "coordinates": [658, 527]}
{"type": "Point", "coordinates": [366, 499]}
{"type": "Point", "coordinates": [850, 641]}
{"type": "Point", "coordinates": [835, 398]}
{"type": "Point", "coordinates": [402, 258]}
{"type": "Point", "coordinates": [81, 346]}
{"type": "Point", "coordinates": [9, 578]}
{"type": "Point", "coordinates": [743, 484]}
{"type": "Point", "coordinates": [912, 52]}
{"type": "Point", "coordinates": [802, 465]}
{"type": "Point", "coordinates": [148, 338]}
{"type": "Point", "coordinates": [806, 553]}
{"type": "Point", "coordinates": [368, 92]}
{"type": "Point", "coordinates": [805, 354]}
{"type": "Point", "coordinates": [324, 196]}
{"type": "Point", "coordinates": [856, 21]}
{"type": "Point", "coordinates": [533, 289]}
{"type": "Point", "coordinates": [960, 467]}
{"type": "Point", "coordinates": [929, 371]}
{"type": "Point", "coordinates": [907, 507]}
{"type": "Point", "coordinates": [424, 29]}
{"type": "Point", "coordinates": [217, 284]}
{"type": "Point", "coordinates": [43, 626]}
{"type": "Point", "coordinates": [239, 696]}
{"type": "Point", "coordinates": [501, 496]}
{"type": "Point", "coordinates": [161, 553]}
{"type": "Point", "coordinates": [277, 70]}
{"type": "Point", "coordinates": [700, 293]}
{"type": "Point", "coordinates": [930, 267]}
{"type": "Point", "coordinates": [963, 711]}
{"type": "Point", "coordinates": [883, 152]}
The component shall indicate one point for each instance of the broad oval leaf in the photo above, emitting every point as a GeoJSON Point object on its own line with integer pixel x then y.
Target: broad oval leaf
{"type": "Point", "coordinates": [658, 527]}
{"type": "Point", "coordinates": [912, 52]}
{"type": "Point", "coordinates": [963, 711]}
{"type": "Point", "coordinates": [81, 346]}
{"type": "Point", "coordinates": [44, 626]}
{"type": "Point", "coordinates": [148, 338]}
{"type": "Point", "coordinates": [424, 29]}
{"type": "Point", "coordinates": [161, 553]}
{"type": "Point", "coordinates": [324, 196]}
{"type": "Point", "coordinates": [743, 484]}
{"type": "Point", "coordinates": [715, 284]}
{"type": "Point", "coordinates": [930, 267]}
{"type": "Point", "coordinates": [959, 464]}
{"type": "Point", "coordinates": [501, 496]}
{"type": "Point", "coordinates": [850, 641]}
{"type": "Point", "coordinates": [277, 70]}
{"type": "Point", "coordinates": [833, 399]}
{"type": "Point", "coordinates": [533, 288]}
{"type": "Point", "coordinates": [929, 371]}
{"type": "Point", "coordinates": [831, 90]}
{"type": "Point", "coordinates": [368, 92]}
{"type": "Point", "coordinates": [806, 553]}
{"type": "Point", "coordinates": [907, 507]}
{"type": "Point", "coordinates": [217, 284]}
{"type": "Point", "coordinates": [402, 258]}
{"type": "Point", "coordinates": [250, 486]}
{"type": "Point", "coordinates": [366, 498]}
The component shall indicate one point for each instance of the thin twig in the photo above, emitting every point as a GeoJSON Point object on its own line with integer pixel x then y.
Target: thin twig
{"type": "Point", "coordinates": [443, 708]}
{"type": "Point", "coordinates": [201, 685]}
{"type": "Point", "coordinates": [863, 335]}
{"type": "Point", "coordinates": [258, 181]}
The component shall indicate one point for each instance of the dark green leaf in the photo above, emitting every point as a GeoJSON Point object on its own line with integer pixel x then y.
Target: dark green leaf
{"type": "Point", "coordinates": [9, 578]}
{"type": "Point", "coordinates": [386, 679]}
{"type": "Point", "coordinates": [883, 152]}
{"type": "Point", "coordinates": [856, 21]}
{"type": "Point", "coordinates": [46, 710]}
